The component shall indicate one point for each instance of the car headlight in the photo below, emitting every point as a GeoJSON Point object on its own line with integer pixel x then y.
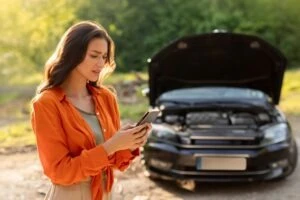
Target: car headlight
{"type": "Point", "coordinates": [275, 134]}
{"type": "Point", "coordinates": [164, 133]}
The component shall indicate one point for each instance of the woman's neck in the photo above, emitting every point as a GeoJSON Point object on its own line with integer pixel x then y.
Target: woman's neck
{"type": "Point", "coordinates": [75, 86]}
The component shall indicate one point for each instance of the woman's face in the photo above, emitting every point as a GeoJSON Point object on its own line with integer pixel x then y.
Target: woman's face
{"type": "Point", "coordinates": [94, 61]}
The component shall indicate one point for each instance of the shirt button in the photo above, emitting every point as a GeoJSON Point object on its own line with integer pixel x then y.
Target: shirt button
{"type": "Point", "coordinates": [104, 130]}
{"type": "Point", "coordinates": [97, 113]}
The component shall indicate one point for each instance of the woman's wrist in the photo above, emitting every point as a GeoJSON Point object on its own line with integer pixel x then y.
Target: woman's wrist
{"type": "Point", "coordinates": [109, 147]}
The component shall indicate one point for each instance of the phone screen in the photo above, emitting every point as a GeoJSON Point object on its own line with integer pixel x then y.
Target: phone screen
{"type": "Point", "coordinates": [149, 117]}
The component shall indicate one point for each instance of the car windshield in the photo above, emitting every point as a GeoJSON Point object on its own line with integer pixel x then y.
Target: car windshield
{"type": "Point", "coordinates": [221, 93]}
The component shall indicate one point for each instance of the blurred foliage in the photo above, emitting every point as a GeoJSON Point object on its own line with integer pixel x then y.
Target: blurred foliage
{"type": "Point", "coordinates": [141, 28]}
{"type": "Point", "coordinates": [117, 78]}
{"type": "Point", "coordinates": [290, 94]}
{"type": "Point", "coordinates": [31, 29]}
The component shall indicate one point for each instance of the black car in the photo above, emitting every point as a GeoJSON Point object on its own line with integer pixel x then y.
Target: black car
{"type": "Point", "coordinates": [218, 95]}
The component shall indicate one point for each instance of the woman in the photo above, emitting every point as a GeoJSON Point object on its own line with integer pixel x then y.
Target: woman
{"type": "Point", "coordinates": [76, 119]}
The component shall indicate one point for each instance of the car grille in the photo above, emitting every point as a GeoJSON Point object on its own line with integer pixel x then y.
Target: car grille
{"type": "Point", "coordinates": [222, 137]}
{"type": "Point", "coordinates": [223, 142]}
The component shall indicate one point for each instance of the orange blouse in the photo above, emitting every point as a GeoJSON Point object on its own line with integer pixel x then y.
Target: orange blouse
{"type": "Point", "coordinates": [66, 144]}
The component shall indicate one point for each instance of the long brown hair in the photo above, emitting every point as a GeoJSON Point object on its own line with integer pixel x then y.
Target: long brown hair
{"type": "Point", "coordinates": [71, 51]}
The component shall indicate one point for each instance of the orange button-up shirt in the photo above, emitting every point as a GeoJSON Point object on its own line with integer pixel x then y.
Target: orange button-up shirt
{"type": "Point", "coordinates": [66, 144]}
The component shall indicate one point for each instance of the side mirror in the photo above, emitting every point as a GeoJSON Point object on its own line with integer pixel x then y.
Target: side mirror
{"type": "Point", "coordinates": [145, 92]}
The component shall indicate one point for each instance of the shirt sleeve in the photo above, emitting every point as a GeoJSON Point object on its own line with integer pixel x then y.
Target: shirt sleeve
{"type": "Point", "coordinates": [121, 159]}
{"type": "Point", "coordinates": [57, 162]}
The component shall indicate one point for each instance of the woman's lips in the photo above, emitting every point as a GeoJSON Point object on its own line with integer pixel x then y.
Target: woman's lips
{"type": "Point", "coordinates": [96, 71]}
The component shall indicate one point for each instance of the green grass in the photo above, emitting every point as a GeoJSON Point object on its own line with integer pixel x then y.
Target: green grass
{"type": "Point", "coordinates": [27, 80]}
{"type": "Point", "coordinates": [133, 112]}
{"type": "Point", "coordinates": [17, 134]}
{"type": "Point", "coordinates": [22, 79]}
{"type": "Point", "coordinates": [123, 77]}
{"type": "Point", "coordinates": [6, 98]}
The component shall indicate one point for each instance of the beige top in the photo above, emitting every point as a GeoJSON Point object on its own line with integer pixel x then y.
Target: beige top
{"type": "Point", "coordinates": [95, 125]}
{"type": "Point", "coordinates": [93, 122]}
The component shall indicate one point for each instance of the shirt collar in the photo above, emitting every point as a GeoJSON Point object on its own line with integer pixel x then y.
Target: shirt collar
{"type": "Point", "coordinates": [61, 94]}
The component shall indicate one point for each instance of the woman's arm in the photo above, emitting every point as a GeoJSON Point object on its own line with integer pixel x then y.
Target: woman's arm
{"type": "Point", "coordinates": [57, 162]}
{"type": "Point", "coordinates": [121, 159]}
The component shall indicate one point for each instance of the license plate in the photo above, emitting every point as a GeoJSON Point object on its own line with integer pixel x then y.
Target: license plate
{"type": "Point", "coordinates": [220, 163]}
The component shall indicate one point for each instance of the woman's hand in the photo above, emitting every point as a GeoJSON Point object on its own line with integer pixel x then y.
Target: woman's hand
{"type": "Point", "coordinates": [144, 138]}
{"type": "Point", "coordinates": [148, 129]}
{"type": "Point", "coordinates": [128, 137]}
{"type": "Point", "coordinates": [146, 135]}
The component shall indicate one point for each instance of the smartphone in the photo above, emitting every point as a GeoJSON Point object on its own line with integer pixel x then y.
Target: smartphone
{"type": "Point", "coordinates": [149, 117]}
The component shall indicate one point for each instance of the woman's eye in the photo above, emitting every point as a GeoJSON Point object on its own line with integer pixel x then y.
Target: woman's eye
{"type": "Point", "coordinates": [94, 56]}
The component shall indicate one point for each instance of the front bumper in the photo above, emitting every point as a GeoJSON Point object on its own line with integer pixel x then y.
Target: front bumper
{"type": "Point", "coordinates": [170, 162]}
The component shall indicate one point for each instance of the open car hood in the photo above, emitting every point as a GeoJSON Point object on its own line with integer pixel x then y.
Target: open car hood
{"type": "Point", "coordinates": [217, 59]}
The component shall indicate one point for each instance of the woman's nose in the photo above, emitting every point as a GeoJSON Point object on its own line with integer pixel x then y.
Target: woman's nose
{"type": "Point", "coordinates": [100, 62]}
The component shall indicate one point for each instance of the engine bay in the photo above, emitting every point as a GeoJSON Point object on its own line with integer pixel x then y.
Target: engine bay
{"type": "Point", "coordinates": [193, 119]}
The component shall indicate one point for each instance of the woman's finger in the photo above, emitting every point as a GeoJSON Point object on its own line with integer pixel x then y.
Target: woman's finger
{"type": "Point", "coordinates": [140, 127]}
{"type": "Point", "coordinates": [142, 139]}
{"type": "Point", "coordinates": [140, 134]}
{"type": "Point", "coordinates": [142, 143]}
{"type": "Point", "coordinates": [127, 126]}
{"type": "Point", "coordinates": [139, 140]}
